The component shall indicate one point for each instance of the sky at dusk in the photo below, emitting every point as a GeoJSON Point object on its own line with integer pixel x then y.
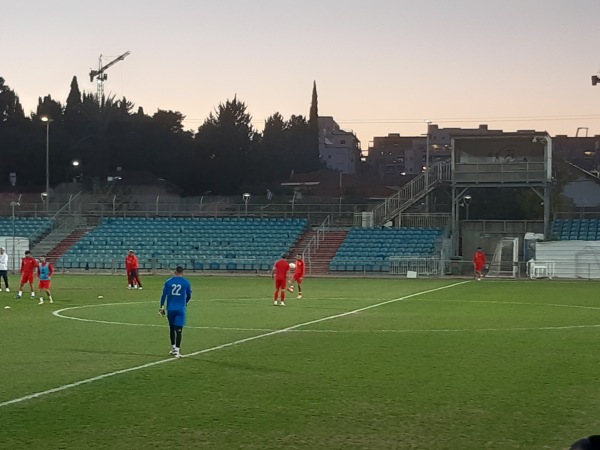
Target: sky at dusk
{"type": "Point", "coordinates": [383, 66]}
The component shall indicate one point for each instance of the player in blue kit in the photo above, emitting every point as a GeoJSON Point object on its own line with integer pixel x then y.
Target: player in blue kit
{"type": "Point", "coordinates": [176, 294]}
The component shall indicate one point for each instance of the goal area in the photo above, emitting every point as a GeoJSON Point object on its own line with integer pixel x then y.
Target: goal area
{"type": "Point", "coordinates": [505, 262]}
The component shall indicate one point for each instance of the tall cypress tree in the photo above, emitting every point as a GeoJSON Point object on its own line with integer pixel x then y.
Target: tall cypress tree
{"type": "Point", "coordinates": [313, 125]}
{"type": "Point", "coordinates": [72, 114]}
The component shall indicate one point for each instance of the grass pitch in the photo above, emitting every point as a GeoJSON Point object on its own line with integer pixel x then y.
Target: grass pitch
{"type": "Point", "coordinates": [356, 364]}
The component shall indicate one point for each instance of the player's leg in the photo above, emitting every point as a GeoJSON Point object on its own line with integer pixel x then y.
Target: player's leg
{"type": "Point", "coordinates": [179, 322]}
{"type": "Point", "coordinates": [129, 280]}
{"type": "Point", "coordinates": [5, 276]}
{"type": "Point", "coordinates": [27, 279]}
{"type": "Point", "coordinates": [280, 285]}
{"type": "Point", "coordinates": [178, 335]}
{"type": "Point", "coordinates": [137, 278]}
{"type": "Point", "coordinates": [172, 337]}
{"type": "Point", "coordinates": [276, 294]}
{"type": "Point", "coordinates": [299, 283]}
{"type": "Point", "coordinates": [23, 281]}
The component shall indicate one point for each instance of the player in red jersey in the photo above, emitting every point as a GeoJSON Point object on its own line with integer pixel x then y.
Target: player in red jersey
{"type": "Point", "coordinates": [280, 273]}
{"type": "Point", "coordinates": [479, 263]}
{"type": "Point", "coordinates": [298, 276]}
{"type": "Point", "coordinates": [29, 266]}
{"type": "Point", "coordinates": [132, 265]}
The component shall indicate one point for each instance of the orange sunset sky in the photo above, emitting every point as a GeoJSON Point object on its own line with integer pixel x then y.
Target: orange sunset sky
{"type": "Point", "coordinates": [380, 67]}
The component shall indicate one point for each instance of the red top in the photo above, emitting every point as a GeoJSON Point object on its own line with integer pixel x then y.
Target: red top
{"type": "Point", "coordinates": [28, 265]}
{"type": "Point", "coordinates": [479, 258]}
{"type": "Point", "coordinates": [281, 269]}
{"type": "Point", "coordinates": [132, 262]}
{"type": "Point", "coordinates": [299, 268]}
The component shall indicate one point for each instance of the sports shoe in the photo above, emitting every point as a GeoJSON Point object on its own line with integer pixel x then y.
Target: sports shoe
{"type": "Point", "coordinates": [177, 355]}
{"type": "Point", "coordinates": [140, 288]}
{"type": "Point", "coordinates": [129, 287]}
{"type": "Point", "coordinates": [282, 303]}
{"type": "Point", "coordinates": [41, 302]}
{"type": "Point", "coordinates": [275, 302]}
{"type": "Point", "coordinates": [7, 290]}
{"type": "Point", "coordinates": [172, 352]}
{"type": "Point", "coordinates": [299, 296]}
{"type": "Point", "coordinates": [51, 301]}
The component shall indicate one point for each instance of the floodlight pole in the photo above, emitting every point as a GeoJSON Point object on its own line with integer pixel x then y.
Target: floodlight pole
{"type": "Point", "coordinates": [428, 122]}
{"type": "Point", "coordinates": [47, 120]}
{"type": "Point", "coordinates": [246, 197]}
{"type": "Point", "coordinates": [467, 200]}
{"type": "Point", "coordinates": [14, 234]}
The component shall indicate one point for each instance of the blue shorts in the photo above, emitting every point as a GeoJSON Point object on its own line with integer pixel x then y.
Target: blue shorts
{"type": "Point", "coordinates": [176, 318]}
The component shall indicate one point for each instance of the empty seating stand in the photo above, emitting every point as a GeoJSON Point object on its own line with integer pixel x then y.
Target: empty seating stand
{"type": "Point", "coordinates": [32, 228]}
{"type": "Point", "coordinates": [576, 229]}
{"type": "Point", "coordinates": [370, 249]}
{"type": "Point", "coordinates": [195, 243]}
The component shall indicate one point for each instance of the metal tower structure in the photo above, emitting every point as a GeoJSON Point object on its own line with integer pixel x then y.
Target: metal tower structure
{"type": "Point", "coordinates": [100, 74]}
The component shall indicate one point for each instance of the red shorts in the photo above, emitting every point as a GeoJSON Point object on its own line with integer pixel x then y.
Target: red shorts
{"type": "Point", "coordinates": [479, 267]}
{"type": "Point", "coordinates": [298, 278]}
{"type": "Point", "coordinates": [26, 278]}
{"type": "Point", "coordinates": [280, 283]}
{"type": "Point", "coordinates": [44, 284]}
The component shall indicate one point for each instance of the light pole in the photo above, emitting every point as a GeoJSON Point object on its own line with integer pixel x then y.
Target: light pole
{"type": "Point", "coordinates": [467, 200]}
{"type": "Point", "coordinates": [246, 197]}
{"type": "Point", "coordinates": [14, 234]}
{"type": "Point", "coordinates": [428, 122]}
{"type": "Point", "coordinates": [47, 120]}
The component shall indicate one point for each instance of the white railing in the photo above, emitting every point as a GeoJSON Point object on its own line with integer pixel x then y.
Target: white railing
{"type": "Point", "coordinates": [313, 245]}
{"type": "Point", "coordinates": [412, 191]}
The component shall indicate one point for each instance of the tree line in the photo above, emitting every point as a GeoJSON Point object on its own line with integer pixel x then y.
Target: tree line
{"type": "Point", "coordinates": [225, 155]}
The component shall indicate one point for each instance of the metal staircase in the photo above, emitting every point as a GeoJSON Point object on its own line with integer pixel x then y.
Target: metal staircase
{"type": "Point", "coordinates": [411, 192]}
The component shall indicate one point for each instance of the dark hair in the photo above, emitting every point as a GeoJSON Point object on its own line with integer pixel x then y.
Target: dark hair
{"type": "Point", "coordinates": [588, 443]}
{"type": "Point", "coordinates": [179, 269]}
{"type": "Point", "coordinates": [27, 252]}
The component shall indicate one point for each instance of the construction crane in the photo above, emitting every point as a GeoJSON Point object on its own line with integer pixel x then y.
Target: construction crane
{"type": "Point", "coordinates": [100, 74]}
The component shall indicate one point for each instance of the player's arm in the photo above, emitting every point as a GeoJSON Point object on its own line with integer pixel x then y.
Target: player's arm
{"type": "Point", "coordinates": [163, 298]}
{"type": "Point", "coordinates": [188, 294]}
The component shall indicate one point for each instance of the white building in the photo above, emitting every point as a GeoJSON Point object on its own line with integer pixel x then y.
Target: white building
{"type": "Point", "coordinates": [338, 149]}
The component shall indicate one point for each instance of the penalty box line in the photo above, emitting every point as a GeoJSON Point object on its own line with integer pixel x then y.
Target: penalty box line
{"type": "Point", "coordinates": [65, 387]}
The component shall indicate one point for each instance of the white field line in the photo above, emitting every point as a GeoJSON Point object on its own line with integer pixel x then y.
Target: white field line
{"type": "Point", "coordinates": [64, 387]}
{"type": "Point", "coordinates": [59, 313]}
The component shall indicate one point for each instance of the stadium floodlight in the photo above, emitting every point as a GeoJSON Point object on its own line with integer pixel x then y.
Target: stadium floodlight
{"type": "Point", "coordinates": [47, 121]}
{"type": "Point", "coordinates": [13, 205]}
{"type": "Point", "coordinates": [466, 200]}
{"type": "Point", "coordinates": [246, 197]}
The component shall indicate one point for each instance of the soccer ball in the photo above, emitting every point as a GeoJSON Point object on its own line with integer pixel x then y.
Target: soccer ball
{"type": "Point", "coordinates": [292, 266]}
